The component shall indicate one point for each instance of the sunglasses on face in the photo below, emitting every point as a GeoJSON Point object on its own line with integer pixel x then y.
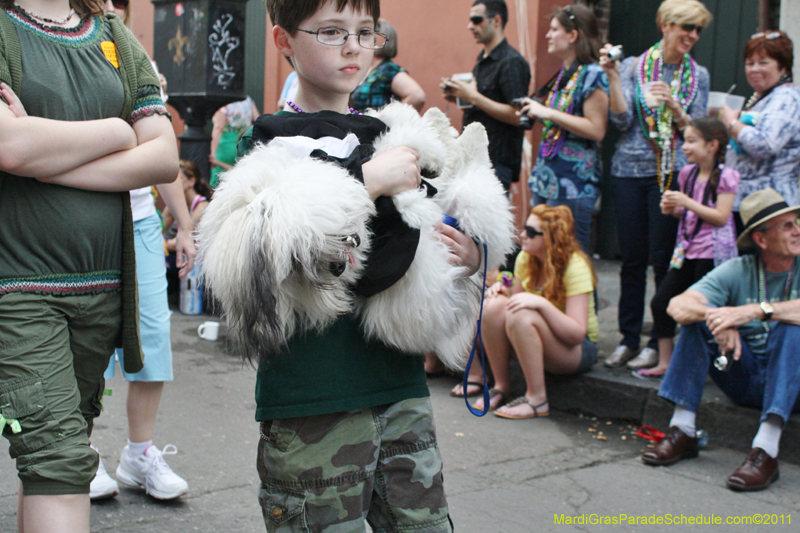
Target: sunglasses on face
{"type": "Point", "coordinates": [477, 19]}
{"type": "Point", "coordinates": [689, 28]}
{"type": "Point", "coordinates": [531, 232]}
{"type": "Point", "coordinates": [120, 4]}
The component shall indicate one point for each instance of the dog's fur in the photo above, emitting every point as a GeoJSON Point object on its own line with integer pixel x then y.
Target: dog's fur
{"type": "Point", "coordinates": [277, 221]}
{"type": "Point", "coordinates": [267, 241]}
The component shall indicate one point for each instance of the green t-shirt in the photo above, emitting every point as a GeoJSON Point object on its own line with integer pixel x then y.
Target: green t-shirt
{"type": "Point", "coordinates": [735, 283]}
{"type": "Point", "coordinates": [54, 239]}
{"type": "Point", "coordinates": [335, 370]}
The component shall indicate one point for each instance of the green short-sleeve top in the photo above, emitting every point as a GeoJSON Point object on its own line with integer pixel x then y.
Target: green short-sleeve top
{"type": "Point", "coordinates": [54, 239]}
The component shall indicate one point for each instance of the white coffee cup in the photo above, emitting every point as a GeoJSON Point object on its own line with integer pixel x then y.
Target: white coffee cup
{"type": "Point", "coordinates": [208, 330]}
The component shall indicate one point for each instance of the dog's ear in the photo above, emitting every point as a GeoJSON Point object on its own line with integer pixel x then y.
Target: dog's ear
{"type": "Point", "coordinates": [254, 326]}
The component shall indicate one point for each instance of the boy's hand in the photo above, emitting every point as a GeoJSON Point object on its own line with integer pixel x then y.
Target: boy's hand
{"type": "Point", "coordinates": [463, 250]}
{"type": "Point", "coordinates": [392, 172]}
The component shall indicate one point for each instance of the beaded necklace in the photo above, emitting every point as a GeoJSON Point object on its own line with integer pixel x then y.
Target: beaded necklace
{"type": "Point", "coordinates": [753, 100]}
{"type": "Point", "coordinates": [656, 123]}
{"type": "Point", "coordinates": [560, 99]}
{"type": "Point", "coordinates": [762, 282]}
{"type": "Point", "coordinates": [298, 110]}
{"type": "Point", "coordinates": [45, 19]}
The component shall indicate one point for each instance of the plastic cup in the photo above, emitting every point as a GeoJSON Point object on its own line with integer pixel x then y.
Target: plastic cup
{"type": "Point", "coordinates": [650, 99]}
{"type": "Point", "coordinates": [735, 102]}
{"type": "Point", "coordinates": [716, 100]}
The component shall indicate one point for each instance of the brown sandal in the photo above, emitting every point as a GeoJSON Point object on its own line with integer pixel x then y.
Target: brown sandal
{"type": "Point", "coordinates": [493, 393]}
{"type": "Point", "coordinates": [520, 401]}
{"type": "Point", "coordinates": [459, 391]}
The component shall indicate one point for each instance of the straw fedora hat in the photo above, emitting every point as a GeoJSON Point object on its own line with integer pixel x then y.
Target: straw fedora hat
{"type": "Point", "coordinates": [756, 209]}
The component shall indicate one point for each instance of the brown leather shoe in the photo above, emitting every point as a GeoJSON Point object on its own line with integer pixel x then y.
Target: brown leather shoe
{"type": "Point", "coordinates": [757, 472]}
{"type": "Point", "coordinates": [674, 447]}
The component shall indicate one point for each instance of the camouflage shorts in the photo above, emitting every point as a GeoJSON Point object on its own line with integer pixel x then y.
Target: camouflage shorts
{"type": "Point", "coordinates": [333, 472]}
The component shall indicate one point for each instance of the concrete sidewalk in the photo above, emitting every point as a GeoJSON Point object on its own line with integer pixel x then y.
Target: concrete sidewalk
{"type": "Point", "coordinates": [501, 476]}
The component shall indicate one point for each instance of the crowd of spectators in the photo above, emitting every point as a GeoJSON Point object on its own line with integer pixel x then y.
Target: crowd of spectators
{"type": "Point", "coordinates": [687, 188]}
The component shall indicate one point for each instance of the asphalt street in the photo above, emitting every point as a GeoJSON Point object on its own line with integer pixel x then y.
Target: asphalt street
{"type": "Point", "coordinates": [505, 476]}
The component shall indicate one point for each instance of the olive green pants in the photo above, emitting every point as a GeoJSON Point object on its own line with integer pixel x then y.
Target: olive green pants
{"type": "Point", "coordinates": [53, 351]}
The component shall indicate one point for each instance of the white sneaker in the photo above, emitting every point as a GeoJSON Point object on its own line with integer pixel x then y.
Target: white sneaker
{"type": "Point", "coordinates": [647, 358]}
{"type": "Point", "coordinates": [103, 486]}
{"type": "Point", "coordinates": [621, 355]}
{"type": "Point", "coordinates": [151, 473]}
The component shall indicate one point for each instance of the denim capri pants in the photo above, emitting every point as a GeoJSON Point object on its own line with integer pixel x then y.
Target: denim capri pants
{"type": "Point", "coordinates": [154, 313]}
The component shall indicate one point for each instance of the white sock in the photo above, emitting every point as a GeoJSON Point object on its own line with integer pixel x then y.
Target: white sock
{"type": "Point", "coordinates": [684, 420]}
{"type": "Point", "coordinates": [138, 448]}
{"type": "Point", "coordinates": [769, 435]}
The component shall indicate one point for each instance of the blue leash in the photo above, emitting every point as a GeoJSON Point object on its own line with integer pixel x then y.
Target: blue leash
{"type": "Point", "coordinates": [478, 340]}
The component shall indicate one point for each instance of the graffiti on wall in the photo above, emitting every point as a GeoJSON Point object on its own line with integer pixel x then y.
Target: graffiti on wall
{"type": "Point", "coordinates": [222, 43]}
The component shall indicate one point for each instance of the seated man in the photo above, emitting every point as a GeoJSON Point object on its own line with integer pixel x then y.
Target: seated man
{"type": "Point", "coordinates": [729, 312]}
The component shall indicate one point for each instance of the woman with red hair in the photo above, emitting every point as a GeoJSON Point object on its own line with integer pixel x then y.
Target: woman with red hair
{"type": "Point", "coordinates": [547, 315]}
{"type": "Point", "coordinates": [766, 134]}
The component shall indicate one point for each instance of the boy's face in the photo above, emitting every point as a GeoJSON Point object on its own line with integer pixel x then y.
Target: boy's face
{"type": "Point", "coordinates": [323, 69]}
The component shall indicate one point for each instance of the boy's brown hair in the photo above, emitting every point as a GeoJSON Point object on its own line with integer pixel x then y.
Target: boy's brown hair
{"type": "Point", "coordinates": [289, 14]}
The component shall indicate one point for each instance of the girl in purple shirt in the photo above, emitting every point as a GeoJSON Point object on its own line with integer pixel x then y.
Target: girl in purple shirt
{"type": "Point", "coordinates": [706, 232]}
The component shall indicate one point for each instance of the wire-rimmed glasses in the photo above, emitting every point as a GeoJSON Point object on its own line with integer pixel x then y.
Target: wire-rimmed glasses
{"type": "Point", "coordinates": [332, 36]}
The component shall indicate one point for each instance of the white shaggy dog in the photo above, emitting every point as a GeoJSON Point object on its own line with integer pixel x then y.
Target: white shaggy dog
{"type": "Point", "coordinates": [286, 236]}
{"type": "Point", "coordinates": [282, 241]}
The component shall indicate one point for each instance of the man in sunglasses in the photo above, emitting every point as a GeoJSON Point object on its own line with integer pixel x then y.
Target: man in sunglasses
{"type": "Point", "coordinates": [500, 76]}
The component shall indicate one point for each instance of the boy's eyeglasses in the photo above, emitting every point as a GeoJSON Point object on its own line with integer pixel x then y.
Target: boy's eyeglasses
{"type": "Point", "coordinates": [477, 19]}
{"type": "Point", "coordinates": [769, 36]}
{"type": "Point", "coordinates": [120, 4]}
{"type": "Point", "coordinates": [531, 232]}
{"type": "Point", "coordinates": [369, 39]}
{"type": "Point", "coordinates": [689, 28]}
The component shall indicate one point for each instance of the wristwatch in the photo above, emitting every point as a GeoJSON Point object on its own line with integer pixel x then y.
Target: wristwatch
{"type": "Point", "coordinates": [732, 124]}
{"type": "Point", "coordinates": [768, 310]}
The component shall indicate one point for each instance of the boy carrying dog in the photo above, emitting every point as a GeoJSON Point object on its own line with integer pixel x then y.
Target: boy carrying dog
{"type": "Point", "coordinates": [347, 432]}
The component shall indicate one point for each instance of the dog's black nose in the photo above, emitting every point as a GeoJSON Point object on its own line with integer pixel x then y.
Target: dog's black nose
{"type": "Point", "coordinates": [337, 267]}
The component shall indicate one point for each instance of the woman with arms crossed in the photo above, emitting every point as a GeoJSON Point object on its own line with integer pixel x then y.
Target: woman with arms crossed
{"type": "Point", "coordinates": [67, 291]}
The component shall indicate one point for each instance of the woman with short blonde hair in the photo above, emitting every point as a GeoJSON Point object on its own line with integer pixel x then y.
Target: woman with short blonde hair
{"type": "Point", "coordinates": [653, 97]}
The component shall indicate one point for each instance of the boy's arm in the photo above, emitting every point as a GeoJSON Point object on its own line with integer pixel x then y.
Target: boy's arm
{"type": "Point", "coordinates": [36, 147]}
{"type": "Point", "coordinates": [154, 160]}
